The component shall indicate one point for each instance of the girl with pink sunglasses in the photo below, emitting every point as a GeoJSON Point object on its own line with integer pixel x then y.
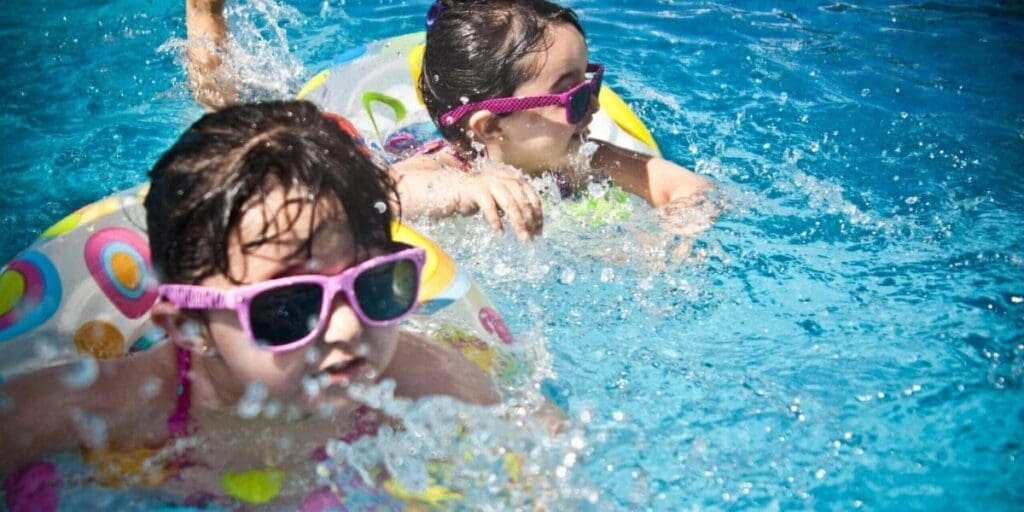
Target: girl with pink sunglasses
{"type": "Point", "coordinates": [510, 86]}
{"type": "Point", "coordinates": [280, 283]}
{"type": "Point", "coordinates": [511, 81]}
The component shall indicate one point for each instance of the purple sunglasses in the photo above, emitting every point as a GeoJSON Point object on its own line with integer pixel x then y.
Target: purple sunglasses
{"type": "Point", "coordinates": [278, 314]}
{"type": "Point", "coordinates": [576, 101]}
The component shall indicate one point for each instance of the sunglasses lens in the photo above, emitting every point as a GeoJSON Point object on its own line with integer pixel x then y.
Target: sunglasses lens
{"type": "Point", "coordinates": [387, 291]}
{"type": "Point", "coordinates": [284, 315]}
{"type": "Point", "coordinates": [579, 103]}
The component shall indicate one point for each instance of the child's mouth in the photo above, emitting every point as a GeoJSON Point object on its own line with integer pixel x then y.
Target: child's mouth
{"type": "Point", "coordinates": [342, 373]}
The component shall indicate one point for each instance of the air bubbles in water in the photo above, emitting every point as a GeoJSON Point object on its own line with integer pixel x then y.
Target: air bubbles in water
{"type": "Point", "coordinates": [865, 92]}
{"type": "Point", "coordinates": [81, 373]}
{"type": "Point", "coordinates": [251, 403]}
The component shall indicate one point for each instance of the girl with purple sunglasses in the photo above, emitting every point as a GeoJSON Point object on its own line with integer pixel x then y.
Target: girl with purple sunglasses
{"type": "Point", "coordinates": [280, 283]}
{"type": "Point", "coordinates": [511, 81]}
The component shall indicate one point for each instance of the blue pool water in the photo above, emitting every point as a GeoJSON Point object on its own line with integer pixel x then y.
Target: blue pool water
{"type": "Point", "coordinates": [850, 332]}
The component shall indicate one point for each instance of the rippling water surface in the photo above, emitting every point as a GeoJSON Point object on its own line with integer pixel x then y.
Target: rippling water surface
{"type": "Point", "coordinates": [849, 333]}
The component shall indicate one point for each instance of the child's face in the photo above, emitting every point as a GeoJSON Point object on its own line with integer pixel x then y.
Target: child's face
{"type": "Point", "coordinates": [540, 139]}
{"type": "Point", "coordinates": [344, 351]}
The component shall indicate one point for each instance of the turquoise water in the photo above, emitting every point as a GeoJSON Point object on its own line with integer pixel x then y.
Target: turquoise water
{"type": "Point", "coordinates": [850, 332]}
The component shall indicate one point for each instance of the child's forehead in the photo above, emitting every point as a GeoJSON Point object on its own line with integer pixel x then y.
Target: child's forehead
{"type": "Point", "coordinates": [564, 51]}
{"type": "Point", "coordinates": [287, 221]}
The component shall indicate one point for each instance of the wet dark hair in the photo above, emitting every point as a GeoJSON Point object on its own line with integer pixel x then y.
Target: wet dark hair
{"type": "Point", "coordinates": [231, 160]}
{"type": "Point", "coordinates": [476, 50]}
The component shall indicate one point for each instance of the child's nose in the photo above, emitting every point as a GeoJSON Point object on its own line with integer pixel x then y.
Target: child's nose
{"type": "Point", "coordinates": [343, 324]}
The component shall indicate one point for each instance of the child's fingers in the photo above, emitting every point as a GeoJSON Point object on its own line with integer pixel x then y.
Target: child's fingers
{"type": "Point", "coordinates": [489, 209]}
{"type": "Point", "coordinates": [506, 199]}
{"type": "Point", "coordinates": [532, 201]}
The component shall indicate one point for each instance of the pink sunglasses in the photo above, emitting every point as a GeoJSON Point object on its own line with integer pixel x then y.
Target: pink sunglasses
{"type": "Point", "coordinates": [278, 315]}
{"type": "Point", "coordinates": [576, 101]}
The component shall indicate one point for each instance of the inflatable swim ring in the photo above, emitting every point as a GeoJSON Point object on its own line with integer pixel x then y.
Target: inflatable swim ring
{"type": "Point", "coordinates": [85, 287]}
{"type": "Point", "coordinates": [373, 85]}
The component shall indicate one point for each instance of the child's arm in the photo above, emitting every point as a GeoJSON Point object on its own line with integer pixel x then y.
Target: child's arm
{"type": "Point", "coordinates": [655, 179]}
{"type": "Point", "coordinates": [207, 37]}
{"type": "Point", "coordinates": [437, 188]}
{"type": "Point", "coordinates": [425, 368]}
{"type": "Point", "coordinates": [47, 412]}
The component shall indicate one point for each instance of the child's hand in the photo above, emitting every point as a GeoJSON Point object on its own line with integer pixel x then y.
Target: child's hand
{"type": "Point", "coordinates": [497, 192]}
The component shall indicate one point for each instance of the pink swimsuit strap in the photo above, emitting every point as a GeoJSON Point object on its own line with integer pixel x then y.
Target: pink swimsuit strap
{"type": "Point", "coordinates": [177, 423]}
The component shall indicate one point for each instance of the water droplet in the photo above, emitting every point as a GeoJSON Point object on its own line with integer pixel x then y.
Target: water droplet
{"type": "Point", "coordinates": [81, 373]}
{"type": "Point", "coordinates": [380, 206]}
{"type": "Point", "coordinates": [150, 388]}
{"type": "Point", "coordinates": [272, 409]}
{"type": "Point", "coordinates": [618, 416]}
{"type": "Point", "coordinates": [251, 403]}
{"type": "Point", "coordinates": [464, 100]}
{"type": "Point", "coordinates": [904, 115]}
{"type": "Point", "coordinates": [783, 97]}
{"type": "Point", "coordinates": [815, 147]}
{"type": "Point", "coordinates": [312, 355]}
{"type": "Point", "coordinates": [191, 329]}
{"type": "Point", "coordinates": [607, 275]}
{"type": "Point", "coordinates": [567, 276]}
{"type": "Point", "coordinates": [596, 190]}
{"type": "Point", "coordinates": [314, 265]}
{"type": "Point", "coordinates": [93, 427]}
{"type": "Point", "coordinates": [586, 416]}
{"type": "Point", "coordinates": [311, 386]}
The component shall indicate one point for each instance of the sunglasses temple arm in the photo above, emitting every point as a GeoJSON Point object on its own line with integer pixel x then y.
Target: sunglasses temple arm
{"type": "Point", "coordinates": [194, 297]}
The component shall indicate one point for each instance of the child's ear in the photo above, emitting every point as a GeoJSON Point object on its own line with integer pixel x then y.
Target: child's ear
{"type": "Point", "coordinates": [484, 126]}
{"type": "Point", "coordinates": [179, 327]}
